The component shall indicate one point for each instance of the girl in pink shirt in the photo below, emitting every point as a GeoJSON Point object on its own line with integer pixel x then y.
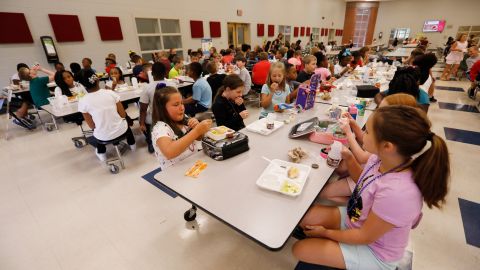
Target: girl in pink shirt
{"type": "Point", "coordinates": [372, 231]}
{"type": "Point", "coordinates": [322, 67]}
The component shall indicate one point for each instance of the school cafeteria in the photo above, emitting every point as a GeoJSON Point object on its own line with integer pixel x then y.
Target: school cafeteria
{"type": "Point", "coordinates": [218, 135]}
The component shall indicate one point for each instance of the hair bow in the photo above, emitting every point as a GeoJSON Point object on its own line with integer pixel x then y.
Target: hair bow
{"type": "Point", "coordinates": [161, 85]}
{"type": "Point", "coordinates": [347, 52]}
{"type": "Point", "coordinates": [92, 79]}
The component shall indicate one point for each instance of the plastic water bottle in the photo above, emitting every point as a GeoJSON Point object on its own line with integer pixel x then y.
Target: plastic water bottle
{"type": "Point", "coordinates": [58, 92]}
{"type": "Point", "coordinates": [365, 74]}
{"type": "Point", "coordinates": [335, 154]}
{"type": "Point", "coordinates": [150, 76]}
{"type": "Point", "coordinates": [134, 82]}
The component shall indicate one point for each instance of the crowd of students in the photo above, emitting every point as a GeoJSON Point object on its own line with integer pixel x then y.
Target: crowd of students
{"type": "Point", "coordinates": [398, 160]}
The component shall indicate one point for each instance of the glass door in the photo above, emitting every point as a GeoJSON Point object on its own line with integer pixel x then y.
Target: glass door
{"type": "Point", "coordinates": [238, 34]}
{"type": "Point", "coordinates": [361, 26]}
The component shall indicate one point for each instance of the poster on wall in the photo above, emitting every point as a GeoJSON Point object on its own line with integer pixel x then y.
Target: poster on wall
{"type": "Point", "coordinates": [49, 48]}
{"type": "Point", "coordinates": [206, 45]}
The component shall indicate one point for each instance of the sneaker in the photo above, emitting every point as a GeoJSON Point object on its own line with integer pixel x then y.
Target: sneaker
{"type": "Point", "coordinates": [29, 121]}
{"type": "Point", "coordinates": [102, 157]}
{"type": "Point", "coordinates": [150, 148]}
{"type": "Point", "coordinates": [298, 233]}
{"type": "Point", "coordinates": [20, 124]}
{"type": "Point", "coordinates": [433, 99]}
{"type": "Point", "coordinates": [24, 123]}
{"type": "Point", "coordinates": [133, 147]}
{"type": "Point", "coordinates": [471, 93]}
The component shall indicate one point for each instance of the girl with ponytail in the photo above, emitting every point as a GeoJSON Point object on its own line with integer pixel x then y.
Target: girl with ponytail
{"type": "Point", "coordinates": [409, 164]}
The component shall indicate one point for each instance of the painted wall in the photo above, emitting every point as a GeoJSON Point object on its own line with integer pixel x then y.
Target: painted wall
{"type": "Point", "coordinates": [294, 13]}
{"type": "Point", "coordinates": [413, 13]}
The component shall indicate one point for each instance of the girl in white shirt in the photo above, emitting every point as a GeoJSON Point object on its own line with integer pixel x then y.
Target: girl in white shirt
{"type": "Point", "coordinates": [104, 113]}
{"type": "Point", "coordinates": [454, 58]}
{"type": "Point", "coordinates": [174, 135]}
{"type": "Point", "coordinates": [343, 65]}
{"type": "Point", "coordinates": [116, 79]}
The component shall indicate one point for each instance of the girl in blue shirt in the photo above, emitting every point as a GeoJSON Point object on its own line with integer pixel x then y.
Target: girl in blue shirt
{"type": "Point", "coordinates": [276, 90]}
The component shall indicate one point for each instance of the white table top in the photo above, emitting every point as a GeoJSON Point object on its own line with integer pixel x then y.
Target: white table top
{"type": "Point", "coordinates": [72, 107]}
{"type": "Point", "coordinates": [411, 45]}
{"type": "Point", "coordinates": [376, 44]}
{"type": "Point", "coordinates": [18, 90]}
{"type": "Point", "coordinates": [346, 97]}
{"type": "Point", "coordinates": [331, 53]}
{"type": "Point", "coordinates": [227, 189]}
{"type": "Point", "coordinates": [400, 52]}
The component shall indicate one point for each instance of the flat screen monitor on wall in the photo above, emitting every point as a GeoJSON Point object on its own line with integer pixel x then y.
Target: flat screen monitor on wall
{"type": "Point", "coordinates": [433, 26]}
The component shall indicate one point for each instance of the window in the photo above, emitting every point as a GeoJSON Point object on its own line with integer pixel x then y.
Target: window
{"type": "Point", "coordinates": [158, 34]}
{"type": "Point", "coordinates": [400, 33]}
{"type": "Point", "coordinates": [469, 31]}
{"type": "Point", "coordinates": [361, 26]}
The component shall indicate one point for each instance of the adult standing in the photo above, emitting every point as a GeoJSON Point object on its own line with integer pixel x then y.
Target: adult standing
{"type": "Point", "coordinates": [454, 57]}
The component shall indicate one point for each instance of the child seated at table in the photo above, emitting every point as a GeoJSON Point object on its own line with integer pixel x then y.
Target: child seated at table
{"type": "Point", "coordinates": [354, 157]}
{"type": "Point", "coordinates": [215, 80]}
{"type": "Point", "coordinates": [174, 134]}
{"type": "Point", "coordinates": [343, 65]}
{"type": "Point", "coordinates": [229, 108]}
{"type": "Point", "coordinates": [260, 69]}
{"type": "Point", "coordinates": [59, 66]}
{"type": "Point", "coordinates": [228, 57]}
{"type": "Point", "coordinates": [146, 102]}
{"type": "Point", "coordinates": [103, 112]}
{"type": "Point", "coordinates": [87, 64]}
{"type": "Point", "coordinates": [409, 165]}
{"type": "Point", "coordinates": [138, 67]}
{"type": "Point", "coordinates": [291, 76]}
{"type": "Point", "coordinates": [177, 67]}
{"type": "Point", "coordinates": [143, 76]}
{"type": "Point", "coordinates": [75, 69]}
{"type": "Point", "coordinates": [15, 79]}
{"type": "Point", "coordinates": [38, 85]}
{"type": "Point", "coordinates": [201, 100]}
{"type": "Point", "coordinates": [116, 79]}
{"type": "Point", "coordinates": [310, 65]}
{"type": "Point", "coordinates": [356, 60]}
{"type": "Point", "coordinates": [67, 85]}
{"type": "Point", "coordinates": [322, 67]}
{"type": "Point", "coordinates": [21, 114]}
{"type": "Point", "coordinates": [195, 57]}
{"type": "Point", "coordinates": [276, 90]}
{"type": "Point", "coordinates": [241, 61]}
{"type": "Point", "coordinates": [110, 63]}
{"type": "Point", "coordinates": [406, 80]}
{"type": "Point", "coordinates": [217, 59]}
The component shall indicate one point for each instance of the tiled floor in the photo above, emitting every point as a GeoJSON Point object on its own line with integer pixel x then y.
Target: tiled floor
{"type": "Point", "coordinates": [61, 209]}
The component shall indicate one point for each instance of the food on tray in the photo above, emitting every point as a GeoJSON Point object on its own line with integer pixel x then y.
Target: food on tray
{"type": "Point", "coordinates": [296, 154]}
{"type": "Point", "coordinates": [288, 187]}
{"type": "Point", "coordinates": [220, 133]}
{"type": "Point", "coordinates": [326, 96]}
{"type": "Point", "coordinates": [196, 169]}
{"type": "Point", "coordinates": [219, 130]}
{"type": "Point", "coordinates": [293, 172]}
